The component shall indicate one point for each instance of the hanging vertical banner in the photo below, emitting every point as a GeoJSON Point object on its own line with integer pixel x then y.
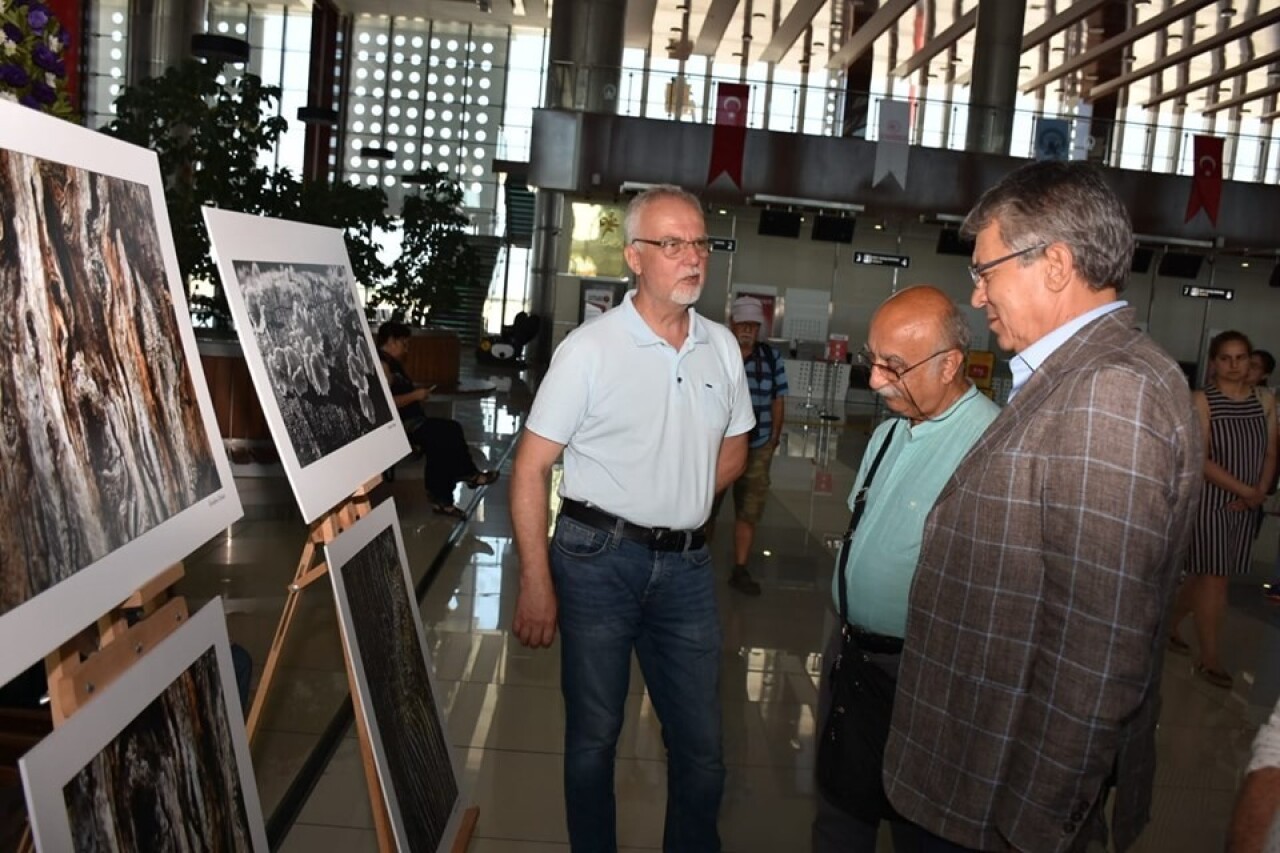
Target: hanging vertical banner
{"type": "Point", "coordinates": [1206, 183]}
{"type": "Point", "coordinates": [1053, 137]}
{"type": "Point", "coordinates": [1080, 142]}
{"type": "Point", "coordinates": [68, 14]}
{"type": "Point", "coordinates": [730, 135]}
{"type": "Point", "coordinates": [892, 151]}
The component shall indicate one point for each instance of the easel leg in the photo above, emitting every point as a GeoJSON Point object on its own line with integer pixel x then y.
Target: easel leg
{"type": "Point", "coordinates": [462, 840]}
{"type": "Point", "coordinates": [381, 820]}
{"type": "Point", "coordinates": [277, 645]}
{"type": "Point", "coordinates": [323, 530]}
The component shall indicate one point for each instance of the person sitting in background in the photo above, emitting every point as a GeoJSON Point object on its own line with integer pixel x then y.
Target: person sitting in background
{"type": "Point", "coordinates": [444, 446]}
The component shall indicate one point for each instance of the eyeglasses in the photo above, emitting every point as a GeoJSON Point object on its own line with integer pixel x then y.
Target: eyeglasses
{"type": "Point", "coordinates": [868, 360]}
{"type": "Point", "coordinates": [673, 247]}
{"type": "Point", "coordinates": [977, 271]}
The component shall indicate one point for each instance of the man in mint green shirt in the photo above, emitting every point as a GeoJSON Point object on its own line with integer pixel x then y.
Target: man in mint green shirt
{"type": "Point", "coordinates": [915, 352]}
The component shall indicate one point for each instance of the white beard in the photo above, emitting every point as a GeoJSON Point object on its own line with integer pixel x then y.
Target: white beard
{"type": "Point", "coordinates": [686, 294]}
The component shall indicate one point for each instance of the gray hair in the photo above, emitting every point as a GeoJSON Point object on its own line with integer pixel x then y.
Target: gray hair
{"type": "Point", "coordinates": [649, 196]}
{"type": "Point", "coordinates": [955, 329]}
{"type": "Point", "coordinates": [1057, 202]}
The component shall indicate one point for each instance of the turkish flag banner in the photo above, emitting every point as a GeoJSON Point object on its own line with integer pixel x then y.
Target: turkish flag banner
{"type": "Point", "coordinates": [1206, 183]}
{"type": "Point", "coordinates": [730, 136]}
{"type": "Point", "coordinates": [69, 13]}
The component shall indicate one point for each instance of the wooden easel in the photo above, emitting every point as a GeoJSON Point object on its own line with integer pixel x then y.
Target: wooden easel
{"type": "Point", "coordinates": [83, 667]}
{"type": "Point", "coordinates": [312, 567]}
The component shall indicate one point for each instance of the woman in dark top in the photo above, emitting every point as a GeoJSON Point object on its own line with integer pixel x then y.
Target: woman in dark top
{"type": "Point", "coordinates": [448, 459]}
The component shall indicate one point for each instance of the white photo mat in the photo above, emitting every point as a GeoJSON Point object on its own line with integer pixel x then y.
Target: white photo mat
{"type": "Point", "coordinates": [238, 238]}
{"type": "Point", "coordinates": [49, 768]}
{"type": "Point", "coordinates": [339, 554]}
{"type": "Point", "coordinates": [41, 623]}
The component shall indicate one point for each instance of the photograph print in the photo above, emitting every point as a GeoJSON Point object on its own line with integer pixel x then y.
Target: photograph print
{"type": "Point", "coordinates": [110, 460]}
{"type": "Point", "coordinates": [309, 353]}
{"type": "Point", "coordinates": [158, 762]}
{"type": "Point", "coordinates": [395, 686]}
{"type": "Point", "coordinates": [310, 330]}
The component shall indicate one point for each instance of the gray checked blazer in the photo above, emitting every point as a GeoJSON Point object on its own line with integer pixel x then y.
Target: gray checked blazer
{"type": "Point", "coordinates": [1031, 671]}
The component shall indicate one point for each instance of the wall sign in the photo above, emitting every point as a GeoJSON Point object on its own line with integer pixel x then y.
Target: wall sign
{"type": "Point", "coordinates": [879, 259]}
{"type": "Point", "coordinates": [1197, 292]}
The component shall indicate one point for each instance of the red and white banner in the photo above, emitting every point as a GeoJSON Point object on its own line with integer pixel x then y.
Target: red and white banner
{"type": "Point", "coordinates": [1206, 183]}
{"type": "Point", "coordinates": [68, 13]}
{"type": "Point", "coordinates": [892, 149]}
{"type": "Point", "coordinates": [730, 135]}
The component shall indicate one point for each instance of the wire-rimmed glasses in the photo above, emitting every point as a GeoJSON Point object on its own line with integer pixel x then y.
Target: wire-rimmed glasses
{"type": "Point", "coordinates": [673, 247]}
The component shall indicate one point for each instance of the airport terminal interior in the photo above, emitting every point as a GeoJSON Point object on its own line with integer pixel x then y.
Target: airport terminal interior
{"type": "Point", "coordinates": [503, 704]}
{"type": "Point", "coordinates": [868, 128]}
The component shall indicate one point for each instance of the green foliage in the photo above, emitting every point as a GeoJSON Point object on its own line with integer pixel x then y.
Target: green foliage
{"type": "Point", "coordinates": [436, 258]}
{"type": "Point", "coordinates": [209, 137]}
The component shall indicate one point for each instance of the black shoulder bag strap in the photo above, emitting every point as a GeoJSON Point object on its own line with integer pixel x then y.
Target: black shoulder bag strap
{"type": "Point", "coordinates": [859, 504]}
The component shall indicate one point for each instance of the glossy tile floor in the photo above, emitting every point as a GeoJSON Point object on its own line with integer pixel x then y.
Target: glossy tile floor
{"type": "Point", "coordinates": [503, 704]}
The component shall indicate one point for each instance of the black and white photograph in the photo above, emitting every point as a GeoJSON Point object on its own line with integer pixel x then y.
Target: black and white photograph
{"type": "Point", "coordinates": [108, 438]}
{"type": "Point", "coordinates": [309, 352]}
{"type": "Point", "coordinates": [311, 334]}
{"type": "Point", "coordinates": [158, 762]}
{"type": "Point", "coordinates": [394, 680]}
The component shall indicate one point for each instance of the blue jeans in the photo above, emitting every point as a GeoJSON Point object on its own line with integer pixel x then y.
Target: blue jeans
{"type": "Point", "coordinates": [616, 595]}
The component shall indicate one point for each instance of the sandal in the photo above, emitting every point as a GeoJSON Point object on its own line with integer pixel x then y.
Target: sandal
{"type": "Point", "coordinates": [1179, 646]}
{"type": "Point", "coordinates": [450, 510]}
{"type": "Point", "coordinates": [1216, 677]}
{"type": "Point", "coordinates": [482, 478]}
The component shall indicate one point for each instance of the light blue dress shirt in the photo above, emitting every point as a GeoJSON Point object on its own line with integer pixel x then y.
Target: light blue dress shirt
{"type": "Point", "coordinates": [1029, 360]}
{"type": "Point", "coordinates": [883, 555]}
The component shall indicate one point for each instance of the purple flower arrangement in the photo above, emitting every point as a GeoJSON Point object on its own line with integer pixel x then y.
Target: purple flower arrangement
{"type": "Point", "coordinates": [33, 71]}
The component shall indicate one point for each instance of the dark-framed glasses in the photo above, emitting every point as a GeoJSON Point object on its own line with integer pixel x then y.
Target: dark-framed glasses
{"type": "Point", "coordinates": [673, 247]}
{"type": "Point", "coordinates": [977, 271]}
{"type": "Point", "coordinates": [868, 360]}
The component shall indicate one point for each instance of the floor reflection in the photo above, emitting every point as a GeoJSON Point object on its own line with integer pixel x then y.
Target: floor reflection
{"type": "Point", "coordinates": [503, 702]}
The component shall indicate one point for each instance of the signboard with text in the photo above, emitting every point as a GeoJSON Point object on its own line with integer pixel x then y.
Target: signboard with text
{"type": "Point", "coordinates": [1197, 292]}
{"type": "Point", "coordinates": [880, 259]}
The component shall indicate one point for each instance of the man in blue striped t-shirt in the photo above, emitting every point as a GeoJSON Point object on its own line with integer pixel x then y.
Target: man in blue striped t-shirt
{"type": "Point", "coordinates": [767, 380]}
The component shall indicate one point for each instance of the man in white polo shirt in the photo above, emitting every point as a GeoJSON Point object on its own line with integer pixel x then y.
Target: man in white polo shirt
{"type": "Point", "coordinates": [650, 406]}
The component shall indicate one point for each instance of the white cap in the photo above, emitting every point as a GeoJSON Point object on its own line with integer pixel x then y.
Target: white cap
{"type": "Point", "coordinates": [747, 310]}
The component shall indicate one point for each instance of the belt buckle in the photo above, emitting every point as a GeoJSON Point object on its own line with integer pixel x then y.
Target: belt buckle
{"type": "Point", "coordinates": [659, 538]}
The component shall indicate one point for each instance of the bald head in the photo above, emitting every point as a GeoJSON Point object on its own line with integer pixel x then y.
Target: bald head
{"type": "Point", "coordinates": [928, 310]}
{"type": "Point", "coordinates": [918, 339]}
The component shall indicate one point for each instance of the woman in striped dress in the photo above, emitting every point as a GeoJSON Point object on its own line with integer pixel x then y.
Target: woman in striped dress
{"type": "Point", "coordinates": [1240, 457]}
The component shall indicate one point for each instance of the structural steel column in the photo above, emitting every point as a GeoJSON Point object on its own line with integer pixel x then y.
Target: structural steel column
{"type": "Point", "coordinates": [160, 35]}
{"type": "Point", "coordinates": [586, 66]}
{"type": "Point", "coordinates": [994, 92]}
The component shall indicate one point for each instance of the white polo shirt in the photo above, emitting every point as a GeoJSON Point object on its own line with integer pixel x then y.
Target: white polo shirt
{"type": "Point", "coordinates": [642, 423]}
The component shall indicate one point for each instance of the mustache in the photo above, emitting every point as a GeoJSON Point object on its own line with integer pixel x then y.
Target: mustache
{"type": "Point", "coordinates": [889, 392]}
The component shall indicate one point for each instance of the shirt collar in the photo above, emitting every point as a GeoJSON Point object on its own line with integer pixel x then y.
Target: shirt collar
{"type": "Point", "coordinates": [1027, 362]}
{"type": "Point", "coordinates": [929, 425]}
{"type": "Point", "coordinates": [645, 336]}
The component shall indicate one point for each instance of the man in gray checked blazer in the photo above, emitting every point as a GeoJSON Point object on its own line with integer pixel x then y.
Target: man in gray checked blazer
{"type": "Point", "coordinates": [1029, 684]}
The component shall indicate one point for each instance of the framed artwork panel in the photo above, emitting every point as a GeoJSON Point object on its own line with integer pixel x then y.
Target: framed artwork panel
{"type": "Point", "coordinates": [111, 465]}
{"type": "Point", "coordinates": [159, 761]}
{"type": "Point", "coordinates": [309, 352]}
{"type": "Point", "coordinates": [394, 681]}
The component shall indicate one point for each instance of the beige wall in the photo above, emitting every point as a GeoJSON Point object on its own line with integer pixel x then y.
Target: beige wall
{"type": "Point", "coordinates": [1174, 320]}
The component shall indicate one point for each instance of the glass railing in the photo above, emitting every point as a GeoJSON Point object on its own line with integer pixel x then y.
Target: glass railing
{"type": "Point", "coordinates": [790, 106]}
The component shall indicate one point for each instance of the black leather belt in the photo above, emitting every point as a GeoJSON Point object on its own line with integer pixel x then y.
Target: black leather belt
{"type": "Point", "coordinates": [876, 644]}
{"type": "Point", "coordinates": [654, 538]}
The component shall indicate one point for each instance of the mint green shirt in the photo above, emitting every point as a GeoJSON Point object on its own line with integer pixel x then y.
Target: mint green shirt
{"type": "Point", "coordinates": [882, 558]}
